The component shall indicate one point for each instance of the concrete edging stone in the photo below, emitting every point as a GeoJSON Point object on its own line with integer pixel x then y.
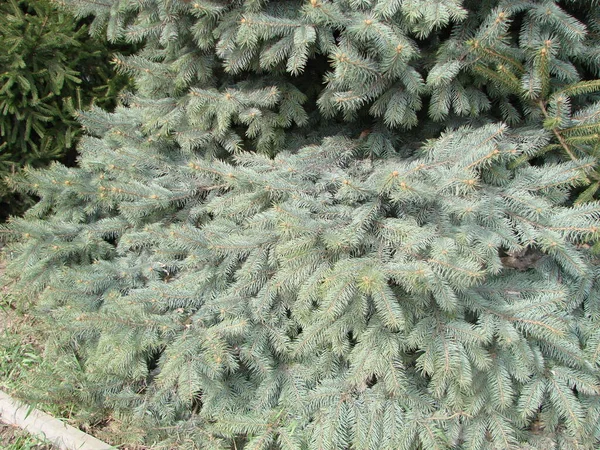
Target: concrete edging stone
{"type": "Point", "coordinates": [44, 426]}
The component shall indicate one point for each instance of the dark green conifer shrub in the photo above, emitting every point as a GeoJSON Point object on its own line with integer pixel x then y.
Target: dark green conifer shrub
{"type": "Point", "coordinates": [49, 67]}
{"type": "Point", "coordinates": [330, 224]}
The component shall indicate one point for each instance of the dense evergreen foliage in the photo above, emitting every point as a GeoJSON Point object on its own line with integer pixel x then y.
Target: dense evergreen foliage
{"type": "Point", "coordinates": [330, 224]}
{"type": "Point", "coordinates": [49, 67]}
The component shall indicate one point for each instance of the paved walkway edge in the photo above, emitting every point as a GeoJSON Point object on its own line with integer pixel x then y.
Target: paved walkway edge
{"type": "Point", "coordinates": [44, 426]}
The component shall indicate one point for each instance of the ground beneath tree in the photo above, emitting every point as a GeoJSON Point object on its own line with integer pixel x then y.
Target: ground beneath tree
{"type": "Point", "coordinates": [5, 313]}
{"type": "Point", "coordinates": [4, 319]}
{"type": "Point", "coordinates": [11, 437]}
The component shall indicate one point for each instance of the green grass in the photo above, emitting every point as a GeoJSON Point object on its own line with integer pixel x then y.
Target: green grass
{"type": "Point", "coordinates": [18, 356]}
{"type": "Point", "coordinates": [24, 374]}
{"type": "Point", "coordinates": [21, 367]}
{"type": "Point", "coordinates": [14, 439]}
{"type": "Point", "coordinates": [17, 353]}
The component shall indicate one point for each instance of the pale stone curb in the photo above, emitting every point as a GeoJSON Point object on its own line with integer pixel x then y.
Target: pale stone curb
{"type": "Point", "coordinates": [44, 426]}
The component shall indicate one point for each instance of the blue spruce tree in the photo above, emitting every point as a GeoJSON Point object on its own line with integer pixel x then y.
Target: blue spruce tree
{"type": "Point", "coordinates": [330, 224]}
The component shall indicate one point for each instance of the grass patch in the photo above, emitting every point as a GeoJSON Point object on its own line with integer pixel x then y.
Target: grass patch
{"type": "Point", "coordinates": [18, 352]}
{"type": "Point", "coordinates": [13, 438]}
{"type": "Point", "coordinates": [26, 375]}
